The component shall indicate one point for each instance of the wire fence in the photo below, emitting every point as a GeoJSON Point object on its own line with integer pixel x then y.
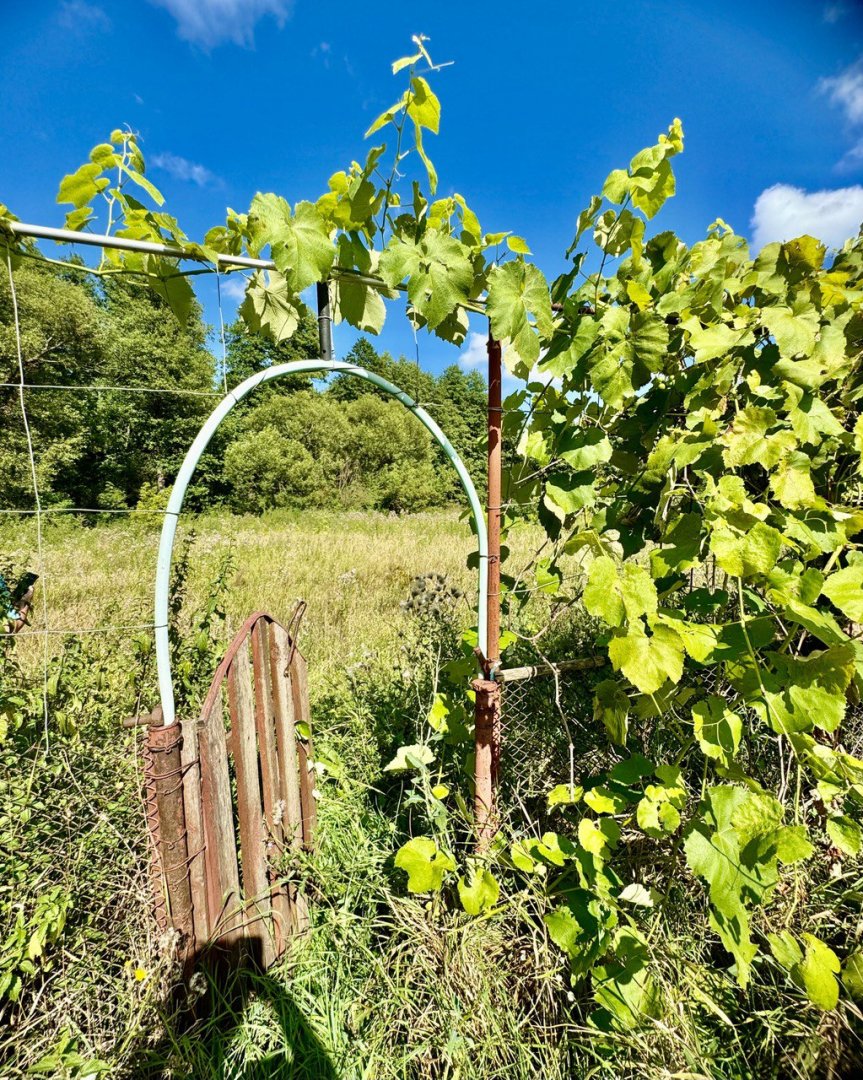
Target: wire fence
{"type": "Point", "coordinates": [548, 736]}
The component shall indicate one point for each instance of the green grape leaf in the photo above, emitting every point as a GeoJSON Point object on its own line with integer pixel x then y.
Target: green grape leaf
{"type": "Point", "coordinates": [598, 837]}
{"type": "Point", "coordinates": [648, 662]}
{"type": "Point", "coordinates": [817, 972]}
{"type": "Point", "coordinates": [270, 307]}
{"type": "Point", "coordinates": [438, 272]}
{"type": "Point", "coordinates": [389, 114]}
{"type": "Point", "coordinates": [424, 863]}
{"type": "Point", "coordinates": [410, 758]}
{"type": "Point", "coordinates": [481, 894]}
{"type": "Point", "coordinates": [852, 975]}
{"type": "Point", "coordinates": [785, 948]}
{"type": "Point", "coordinates": [519, 308]}
{"type": "Point", "coordinates": [744, 441]}
{"type": "Point", "coordinates": [791, 483]}
{"type": "Point", "coordinates": [615, 597]}
{"type": "Point", "coordinates": [565, 495]}
{"type": "Point", "coordinates": [845, 834]}
{"type": "Point", "coordinates": [360, 305]}
{"type": "Point", "coordinates": [616, 186]}
{"type": "Point", "coordinates": [423, 105]}
{"type": "Point", "coordinates": [717, 729]}
{"type": "Point", "coordinates": [602, 597]}
{"type": "Point", "coordinates": [746, 554]}
{"type": "Point", "coordinates": [584, 449]}
{"type": "Point", "coordinates": [611, 706]}
{"type": "Point", "coordinates": [301, 247]}
{"type": "Point", "coordinates": [624, 988]}
{"type": "Point", "coordinates": [713, 852]}
{"type": "Point", "coordinates": [844, 589]}
{"type": "Point", "coordinates": [602, 800]}
{"type": "Point", "coordinates": [79, 188]}
{"type": "Point", "coordinates": [165, 279]}
{"type": "Point", "coordinates": [710, 342]}
{"type": "Point", "coordinates": [794, 332]}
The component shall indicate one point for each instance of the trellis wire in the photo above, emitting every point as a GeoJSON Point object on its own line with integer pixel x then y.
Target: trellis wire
{"type": "Point", "coordinates": [40, 554]}
{"type": "Point", "coordinates": [107, 389]}
{"type": "Point", "coordinates": [46, 631]}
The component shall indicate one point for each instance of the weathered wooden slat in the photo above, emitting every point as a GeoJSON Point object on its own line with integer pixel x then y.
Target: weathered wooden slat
{"type": "Point", "coordinates": [299, 685]}
{"type": "Point", "coordinates": [216, 897]}
{"type": "Point", "coordinates": [194, 829]}
{"type": "Point", "coordinates": [220, 852]}
{"type": "Point", "coordinates": [289, 765]}
{"type": "Point", "coordinates": [256, 890]}
{"type": "Point", "coordinates": [270, 779]}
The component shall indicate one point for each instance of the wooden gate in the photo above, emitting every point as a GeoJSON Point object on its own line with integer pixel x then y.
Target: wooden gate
{"type": "Point", "coordinates": [229, 804]}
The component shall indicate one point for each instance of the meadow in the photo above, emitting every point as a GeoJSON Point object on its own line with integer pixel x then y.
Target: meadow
{"type": "Point", "coordinates": [352, 568]}
{"type": "Point", "coordinates": [386, 984]}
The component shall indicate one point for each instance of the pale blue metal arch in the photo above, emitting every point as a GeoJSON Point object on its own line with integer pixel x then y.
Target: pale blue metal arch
{"type": "Point", "coordinates": [190, 463]}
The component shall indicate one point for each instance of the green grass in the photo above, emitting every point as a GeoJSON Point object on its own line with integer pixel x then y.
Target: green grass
{"type": "Point", "coordinates": [353, 569]}
{"type": "Point", "coordinates": [385, 986]}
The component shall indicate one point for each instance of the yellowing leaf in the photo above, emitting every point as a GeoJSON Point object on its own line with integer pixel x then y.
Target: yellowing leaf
{"type": "Point", "coordinates": [638, 294]}
{"type": "Point", "coordinates": [565, 795]}
{"type": "Point", "coordinates": [424, 863]}
{"type": "Point", "coordinates": [481, 894]}
{"type": "Point", "coordinates": [519, 307]}
{"type": "Point", "coordinates": [647, 662]}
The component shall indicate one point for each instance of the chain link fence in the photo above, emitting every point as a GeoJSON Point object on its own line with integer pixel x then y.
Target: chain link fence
{"type": "Point", "coordinates": [548, 735]}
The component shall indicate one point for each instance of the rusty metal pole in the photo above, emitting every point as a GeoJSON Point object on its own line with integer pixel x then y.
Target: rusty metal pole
{"type": "Point", "coordinates": [487, 732]}
{"type": "Point", "coordinates": [166, 777]}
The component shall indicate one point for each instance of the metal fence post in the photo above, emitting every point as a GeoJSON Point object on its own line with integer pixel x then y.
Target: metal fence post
{"type": "Point", "coordinates": [487, 706]}
{"type": "Point", "coordinates": [166, 777]}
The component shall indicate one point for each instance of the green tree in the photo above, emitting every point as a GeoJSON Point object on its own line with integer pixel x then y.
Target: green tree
{"type": "Point", "coordinates": [96, 447]}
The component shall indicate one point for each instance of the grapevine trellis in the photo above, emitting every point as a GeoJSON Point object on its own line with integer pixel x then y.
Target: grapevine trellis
{"type": "Point", "coordinates": [181, 836]}
{"type": "Point", "coordinates": [695, 445]}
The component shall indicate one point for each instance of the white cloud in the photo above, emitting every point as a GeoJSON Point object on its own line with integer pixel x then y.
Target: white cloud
{"type": "Point", "coordinates": [783, 212]}
{"type": "Point", "coordinates": [79, 15]}
{"type": "Point", "coordinates": [212, 22]}
{"type": "Point", "coordinates": [845, 90]}
{"type": "Point", "coordinates": [183, 169]}
{"type": "Point", "coordinates": [476, 354]}
{"type": "Point", "coordinates": [233, 286]}
{"type": "Point", "coordinates": [323, 51]}
{"type": "Point", "coordinates": [834, 12]}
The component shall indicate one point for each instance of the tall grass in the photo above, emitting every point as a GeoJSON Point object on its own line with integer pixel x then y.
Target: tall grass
{"type": "Point", "coordinates": [385, 986]}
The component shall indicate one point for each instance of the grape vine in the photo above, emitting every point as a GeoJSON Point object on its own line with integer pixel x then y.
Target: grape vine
{"type": "Point", "coordinates": [699, 451]}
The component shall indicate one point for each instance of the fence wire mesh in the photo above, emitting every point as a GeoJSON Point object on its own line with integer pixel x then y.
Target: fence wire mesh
{"type": "Point", "coordinates": [548, 735]}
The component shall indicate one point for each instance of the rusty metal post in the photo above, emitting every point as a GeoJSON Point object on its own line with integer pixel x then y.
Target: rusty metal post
{"type": "Point", "coordinates": [486, 731]}
{"type": "Point", "coordinates": [487, 691]}
{"type": "Point", "coordinates": [166, 777]}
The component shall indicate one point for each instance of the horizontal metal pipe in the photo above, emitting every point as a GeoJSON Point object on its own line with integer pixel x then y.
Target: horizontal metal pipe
{"type": "Point", "coordinates": [517, 673]}
{"type": "Point", "coordinates": [124, 243]}
{"type": "Point", "coordinates": [147, 247]}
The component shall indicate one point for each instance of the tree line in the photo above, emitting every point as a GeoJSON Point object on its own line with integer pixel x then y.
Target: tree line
{"type": "Point", "coordinates": [142, 385]}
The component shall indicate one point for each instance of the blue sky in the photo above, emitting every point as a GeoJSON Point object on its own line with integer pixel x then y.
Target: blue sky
{"type": "Point", "coordinates": [541, 102]}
